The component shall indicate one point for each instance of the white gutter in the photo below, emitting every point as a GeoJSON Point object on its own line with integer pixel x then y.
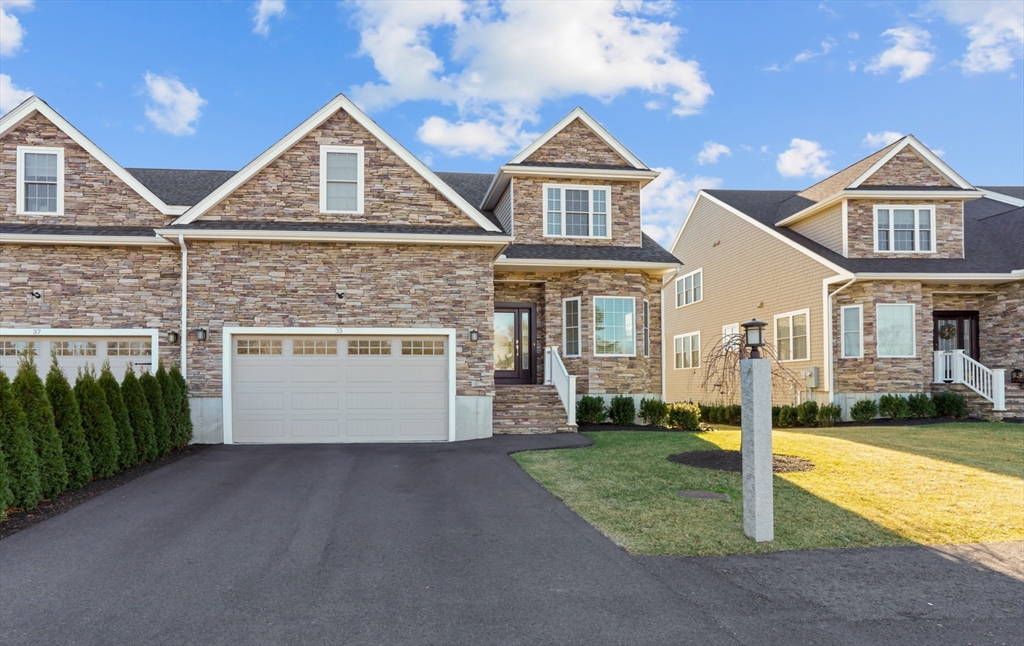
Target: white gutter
{"type": "Point", "coordinates": [92, 241]}
{"type": "Point", "coordinates": [554, 263]}
{"type": "Point", "coordinates": [184, 307]}
{"type": "Point", "coordinates": [830, 357]}
{"type": "Point", "coordinates": [330, 236]}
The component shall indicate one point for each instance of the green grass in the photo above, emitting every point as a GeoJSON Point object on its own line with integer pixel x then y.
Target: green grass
{"type": "Point", "coordinates": [860, 494]}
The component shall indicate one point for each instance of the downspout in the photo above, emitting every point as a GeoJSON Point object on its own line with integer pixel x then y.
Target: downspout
{"type": "Point", "coordinates": [184, 306]}
{"type": "Point", "coordinates": [831, 338]}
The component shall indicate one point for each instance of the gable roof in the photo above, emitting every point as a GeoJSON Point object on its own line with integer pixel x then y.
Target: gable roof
{"type": "Point", "coordinates": [473, 187]}
{"type": "Point", "coordinates": [649, 252]}
{"type": "Point", "coordinates": [599, 130]}
{"type": "Point", "coordinates": [834, 183]}
{"type": "Point", "coordinates": [340, 102]}
{"type": "Point", "coordinates": [181, 187]}
{"type": "Point", "coordinates": [34, 104]}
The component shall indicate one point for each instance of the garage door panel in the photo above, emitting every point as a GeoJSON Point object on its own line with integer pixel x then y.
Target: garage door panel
{"type": "Point", "coordinates": [316, 428]}
{"type": "Point", "coordinates": [369, 400]}
{"type": "Point", "coordinates": [261, 428]}
{"type": "Point", "coordinates": [75, 353]}
{"type": "Point", "coordinates": [424, 428]}
{"type": "Point", "coordinates": [424, 374]}
{"type": "Point", "coordinates": [269, 401]}
{"type": "Point", "coordinates": [314, 374]}
{"type": "Point", "coordinates": [263, 373]}
{"type": "Point", "coordinates": [315, 401]}
{"type": "Point", "coordinates": [362, 372]}
{"type": "Point", "coordinates": [421, 401]}
{"type": "Point", "coordinates": [369, 429]}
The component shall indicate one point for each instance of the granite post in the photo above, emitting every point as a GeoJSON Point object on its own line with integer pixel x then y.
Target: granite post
{"type": "Point", "coordinates": [756, 438]}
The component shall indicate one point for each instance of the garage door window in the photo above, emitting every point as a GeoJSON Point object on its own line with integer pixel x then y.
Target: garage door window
{"type": "Point", "coordinates": [128, 349]}
{"type": "Point", "coordinates": [74, 348]}
{"type": "Point", "coordinates": [258, 346]}
{"type": "Point", "coordinates": [15, 348]}
{"type": "Point", "coordinates": [369, 346]}
{"type": "Point", "coordinates": [315, 346]}
{"type": "Point", "coordinates": [417, 347]}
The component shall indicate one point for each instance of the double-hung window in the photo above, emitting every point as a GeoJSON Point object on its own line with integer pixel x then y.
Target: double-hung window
{"type": "Point", "coordinates": [576, 211]}
{"type": "Point", "coordinates": [792, 340]}
{"type": "Point", "coordinates": [687, 350]}
{"type": "Point", "coordinates": [341, 179]}
{"type": "Point", "coordinates": [40, 179]}
{"type": "Point", "coordinates": [852, 321]}
{"type": "Point", "coordinates": [571, 327]}
{"type": "Point", "coordinates": [896, 333]}
{"type": "Point", "coordinates": [614, 326]}
{"type": "Point", "coordinates": [731, 339]}
{"type": "Point", "coordinates": [689, 288]}
{"type": "Point", "coordinates": [905, 228]}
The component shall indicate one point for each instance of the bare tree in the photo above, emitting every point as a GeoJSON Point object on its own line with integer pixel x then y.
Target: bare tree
{"type": "Point", "coordinates": [721, 379]}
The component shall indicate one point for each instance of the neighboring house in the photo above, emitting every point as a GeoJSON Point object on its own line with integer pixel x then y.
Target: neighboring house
{"type": "Point", "coordinates": [894, 275]}
{"type": "Point", "coordinates": [335, 289]}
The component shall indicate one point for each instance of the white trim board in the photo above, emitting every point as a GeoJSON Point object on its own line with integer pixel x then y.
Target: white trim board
{"type": "Point", "coordinates": [228, 332]}
{"type": "Point", "coordinates": [92, 241]}
{"type": "Point", "coordinates": [599, 130]}
{"type": "Point", "coordinates": [654, 268]}
{"type": "Point", "coordinates": [1002, 197]}
{"type": "Point", "coordinates": [334, 236]}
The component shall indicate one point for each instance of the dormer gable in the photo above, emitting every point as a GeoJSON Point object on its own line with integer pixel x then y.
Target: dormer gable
{"type": "Point", "coordinates": [578, 141]}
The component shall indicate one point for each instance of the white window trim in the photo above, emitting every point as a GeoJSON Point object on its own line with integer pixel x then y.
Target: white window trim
{"type": "Point", "coordinates": [913, 331]}
{"type": "Point", "coordinates": [360, 173]}
{"type": "Point", "coordinates": [590, 199]}
{"type": "Point", "coordinates": [20, 178]}
{"type": "Point", "coordinates": [675, 290]}
{"type": "Point", "coordinates": [579, 314]}
{"type": "Point", "coordinates": [675, 364]}
{"type": "Point", "coordinates": [892, 237]}
{"type": "Point", "coordinates": [775, 333]}
{"type": "Point", "coordinates": [842, 332]}
{"type": "Point", "coordinates": [739, 338]}
{"type": "Point", "coordinates": [647, 327]}
{"type": "Point", "coordinates": [621, 298]}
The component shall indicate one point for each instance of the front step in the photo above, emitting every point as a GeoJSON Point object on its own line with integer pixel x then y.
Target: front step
{"type": "Point", "coordinates": [978, 406]}
{"type": "Point", "coordinates": [528, 409]}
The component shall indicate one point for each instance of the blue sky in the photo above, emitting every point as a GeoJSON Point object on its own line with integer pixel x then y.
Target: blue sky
{"type": "Point", "coordinates": [717, 94]}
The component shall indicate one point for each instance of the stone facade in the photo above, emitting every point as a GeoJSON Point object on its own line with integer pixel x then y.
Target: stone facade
{"type": "Point", "coordinates": [906, 168]}
{"type": "Point", "coordinates": [288, 189]}
{"type": "Point", "coordinates": [528, 206]}
{"type": "Point", "coordinates": [93, 195]}
{"type": "Point", "coordinates": [577, 145]}
{"type": "Point", "coordinates": [949, 229]}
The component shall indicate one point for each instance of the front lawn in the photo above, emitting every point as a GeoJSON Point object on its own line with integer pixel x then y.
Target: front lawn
{"type": "Point", "coordinates": [944, 483]}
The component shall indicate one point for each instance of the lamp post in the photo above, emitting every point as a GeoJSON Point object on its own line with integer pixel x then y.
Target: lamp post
{"type": "Point", "coordinates": [756, 437]}
{"type": "Point", "coordinates": [753, 337]}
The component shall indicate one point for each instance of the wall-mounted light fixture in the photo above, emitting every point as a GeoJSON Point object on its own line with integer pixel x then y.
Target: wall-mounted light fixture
{"type": "Point", "coordinates": [753, 335]}
{"type": "Point", "coordinates": [474, 336]}
{"type": "Point", "coordinates": [172, 337]}
{"type": "Point", "coordinates": [340, 295]}
{"type": "Point", "coordinates": [201, 334]}
{"type": "Point", "coordinates": [36, 294]}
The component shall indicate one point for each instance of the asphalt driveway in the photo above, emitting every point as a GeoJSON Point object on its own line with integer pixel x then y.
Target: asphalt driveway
{"type": "Point", "coordinates": [445, 544]}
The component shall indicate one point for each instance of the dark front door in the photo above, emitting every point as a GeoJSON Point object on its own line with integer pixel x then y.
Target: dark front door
{"type": "Point", "coordinates": [957, 331]}
{"type": "Point", "coordinates": [513, 343]}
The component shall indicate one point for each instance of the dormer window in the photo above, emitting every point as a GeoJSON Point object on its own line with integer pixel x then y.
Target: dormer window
{"type": "Point", "coordinates": [576, 211]}
{"type": "Point", "coordinates": [341, 179]}
{"type": "Point", "coordinates": [40, 180]}
{"type": "Point", "coordinates": [904, 228]}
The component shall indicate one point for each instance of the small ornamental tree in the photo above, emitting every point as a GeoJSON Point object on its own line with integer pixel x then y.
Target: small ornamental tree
{"type": "Point", "coordinates": [139, 416]}
{"type": "Point", "coordinates": [98, 424]}
{"type": "Point", "coordinates": [30, 392]}
{"type": "Point", "coordinates": [68, 420]}
{"type": "Point", "coordinates": [184, 409]}
{"type": "Point", "coordinates": [127, 453]}
{"type": "Point", "coordinates": [6, 497]}
{"type": "Point", "coordinates": [155, 398]}
{"type": "Point", "coordinates": [169, 391]}
{"type": "Point", "coordinates": [18, 449]}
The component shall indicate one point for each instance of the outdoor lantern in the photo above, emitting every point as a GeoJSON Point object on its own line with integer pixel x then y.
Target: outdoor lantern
{"type": "Point", "coordinates": [474, 335]}
{"type": "Point", "coordinates": [753, 334]}
{"type": "Point", "coordinates": [1017, 376]}
{"type": "Point", "coordinates": [201, 334]}
{"type": "Point", "coordinates": [172, 337]}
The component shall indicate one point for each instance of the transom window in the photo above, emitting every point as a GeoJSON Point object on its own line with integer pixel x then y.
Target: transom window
{"type": "Point", "coordinates": [315, 346]}
{"type": "Point", "coordinates": [74, 348]}
{"type": "Point", "coordinates": [792, 341]}
{"type": "Point", "coordinates": [423, 346]}
{"type": "Point", "coordinates": [15, 348]}
{"type": "Point", "coordinates": [687, 350]}
{"type": "Point", "coordinates": [905, 228]}
{"type": "Point", "coordinates": [128, 348]}
{"type": "Point", "coordinates": [341, 179]}
{"type": "Point", "coordinates": [40, 180]}
{"type": "Point", "coordinates": [369, 346]}
{"type": "Point", "coordinates": [689, 288]}
{"type": "Point", "coordinates": [614, 326]}
{"type": "Point", "coordinates": [896, 333]}
{"type": "Point", "coordinates": [571, 327]}
{"type": "Point", "coordinates": [258, 346]}
{"type": "Point", "coordinates": [576, 211]}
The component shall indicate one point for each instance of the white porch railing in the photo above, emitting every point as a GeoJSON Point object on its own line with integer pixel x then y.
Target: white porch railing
{"type": "Point", "coordinates": [956, 367]}
{"type": "Point", "coordinates": [555, 374]}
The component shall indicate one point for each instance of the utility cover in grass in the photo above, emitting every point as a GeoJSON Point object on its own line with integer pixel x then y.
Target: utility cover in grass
{"type": "Point", "coordinates": [733, 461]}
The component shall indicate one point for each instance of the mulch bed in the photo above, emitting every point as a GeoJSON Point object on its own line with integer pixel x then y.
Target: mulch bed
{"type": "Point", "coordinates": [19, 520]}
{"type": "Point", "coordinates": [733, 461]}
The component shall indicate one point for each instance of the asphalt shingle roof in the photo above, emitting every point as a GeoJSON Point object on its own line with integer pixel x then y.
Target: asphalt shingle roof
{"type": "Point", "coordinates": [72, 230]}
{"type": "Point", "coordinates": [1012, 191]}
{"type": "Point", "coordinates": [472, 187]}
{"type": "Point", "coordinates": [651, 251]}
{"type": "Point", "coordinates": [181, 187]}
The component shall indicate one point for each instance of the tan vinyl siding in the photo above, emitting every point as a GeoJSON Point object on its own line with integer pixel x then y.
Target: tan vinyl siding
{"type": "Point", "coordinates": [826, 228]}
{"type": "Point", "coordinates": [504, 210]}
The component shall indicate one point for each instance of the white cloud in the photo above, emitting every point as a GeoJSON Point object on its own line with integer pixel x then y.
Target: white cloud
{"type": "Point", "coordinates": [482, 138]}
{"type": "Point", "coordinates": [263, 11]}
{"type": "Point", "coordinates": [505, 60]}
{"type": "Point", "coordinates": [667, 201]}
{"type": "Point", "coordinates": [827, 45]}
{"type": "Point", "coordinates": [11, 31]}
{"type": "Point", "coordinates": [711, 152]}
{"type": "Point", "coordinates": [10, 94]}
{"type": "Point", "coordinates": [764, 149]}
{"type": "Point", "coordinates": [175, 108]}
{"type": "Point", "coordinates": [995, 29]}
{"type": "Point", "coordinates": [911, 52]}
{"type": "Point", "coordinates": [880, 139]}
{"type": "Point", "coordinates": [774, 67]}
{"type": "Point", "coordinates": [803, 158]}
{"type": "Point", "coordinates": [853, 36]}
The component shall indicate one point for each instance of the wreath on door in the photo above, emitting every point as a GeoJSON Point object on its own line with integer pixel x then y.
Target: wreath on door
{"type": "Point", "coordinates": [947, 332]}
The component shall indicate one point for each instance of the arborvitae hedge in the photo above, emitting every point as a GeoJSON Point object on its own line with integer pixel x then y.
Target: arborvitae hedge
{"type": "Point", "coordinates": [155, 397]}
{"type": "Point", "coordinates": [98, 424]}
{"type": "Point", "coordinates": [30, 392]}
{"type": "Point", "coordinates": [68, 421]}
{"type": "Point", "coordinates": [6, 497]}
{"type": "Point", "coordinates": [17, 447]}
{"type": "Point", "coordinates": [169, 393]}
{"type": "Point", "coordinates": [128, 453]}
{"type": "Point", "coordinates": [139, 416]}
{"type": "Point", "coordinates": [184, 409]}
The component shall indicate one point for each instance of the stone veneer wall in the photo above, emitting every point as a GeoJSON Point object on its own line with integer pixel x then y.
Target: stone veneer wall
{"type": "Point", "coordinates": [577, 145]}
{"type": "Point", "coordinates": [93, 196]}
{"type": "Point", "coordinates": [949, 229]}
{"type": "Point", "coordinates": [288, 189]}
{"type": "Point", "coordinates": [294, 284]}
{"type": "Point", "coordinates": [92, 287]}
{"type": "Point", "coordinates": [528, 207]}
{"type": "Point", "coordinates": [907, 169]}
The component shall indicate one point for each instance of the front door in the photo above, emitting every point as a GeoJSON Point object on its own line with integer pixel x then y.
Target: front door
{"type": "Point", "coordinates": [957, 331]}
{"type": "Point", "coordinates": [513, 343]}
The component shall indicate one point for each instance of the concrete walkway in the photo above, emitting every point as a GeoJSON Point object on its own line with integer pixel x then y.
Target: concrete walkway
{"type": "Point", "coordinates": [447, 544]}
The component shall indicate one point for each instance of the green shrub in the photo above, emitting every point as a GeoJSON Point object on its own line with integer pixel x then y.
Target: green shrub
{"type": "Point", "coordinates": [590, 410]}
{"type": "Point", "coordinates": [127, 452]}
{"type": "Point", "coordinates": [98, 424]}
{"type": "Point", "coordinates": [6, 496]}
{"type": "Point", "coordinates": [30, 392]}
{"type": "Point", "coordinates": [775, 416]}
{"type": "Point", "coordinates": [18, 449]}
{"type": "Point", "coordinates": [787, 417]}
{"type": "Point", "coordinates": [733, 415]}
{"type": "Point", "coordinates": [68, 420]}
{"type": "Point", "coordinates": [157, 410]}
{"type": "Point", "coordinates": [807, 413]}
{"type": "Point", "coordinates": [921, 405]}
{"type": "Point", "coordinates": [184, 409]}
{"type": "Point", "coordinates": [684, 416]}
{"type": "Point", "coordinates": [829, 415]}
{"type": "Point", "coordinates": [172, 404]}
{"type": "Point", "coordinates": [893, 407]}
{"type": "Point", "coordinates": [653, 411]}
{"type": "Point", "coordinates": [949, 405]}
{"type": "Point", "coordinates": [622, 410]}
{"type": "Point", "coordinates": [864, 411]}
{"type": "Point", "coordinates": [139, 416]}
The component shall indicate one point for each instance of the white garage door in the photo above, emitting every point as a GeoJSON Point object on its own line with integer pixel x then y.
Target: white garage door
{"type": "Point", "coordinates": [77, 352]}
{"type": "Point", "coordinates": [339, 389]}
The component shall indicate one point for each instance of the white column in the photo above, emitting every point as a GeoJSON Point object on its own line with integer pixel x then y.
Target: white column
{"type": "Point", "coordinates": [958, 366]}
{"type": "Point", "coordinates": [571, 406]}
{"type": "Point", "coordinates": [758, 500]}
{"type": "Point", "coordinates": [939, 367]}
{"type": "Point", "coordinates": [999, 388]}
{"type": "Point", "coordinates": [547, 366]}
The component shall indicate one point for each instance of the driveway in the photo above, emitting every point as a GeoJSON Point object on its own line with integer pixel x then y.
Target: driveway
{"type": "Point", "coordinates": [445, 544]}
